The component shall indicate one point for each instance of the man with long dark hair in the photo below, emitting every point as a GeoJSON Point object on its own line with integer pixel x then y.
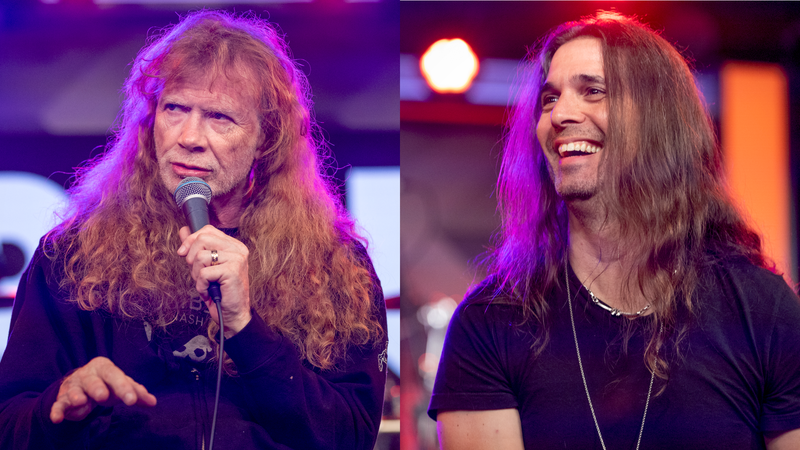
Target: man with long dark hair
{"type": "Point", "coordinates": [628, 304]}
{"type": "Point", "coordinates": [113, 335]}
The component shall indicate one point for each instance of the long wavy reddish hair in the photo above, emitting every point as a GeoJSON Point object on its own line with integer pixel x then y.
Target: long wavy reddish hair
{"type": "Point", "coordinates": [662, 181]}
{"type": "Point", "coordinates": [309, 278]}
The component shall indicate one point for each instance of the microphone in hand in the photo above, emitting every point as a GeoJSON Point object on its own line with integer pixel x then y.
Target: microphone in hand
{"type": "Point", "coordinates": [193, 195]}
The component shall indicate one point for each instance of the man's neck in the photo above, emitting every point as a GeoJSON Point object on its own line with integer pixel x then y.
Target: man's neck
{"type": "Point", "coordinates": [598, 256]}
{"type": "Point", "coordinates": [226, 210]}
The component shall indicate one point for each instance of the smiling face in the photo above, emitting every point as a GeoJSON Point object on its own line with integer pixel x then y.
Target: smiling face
{"type": "Point", "coordinates": [572, 127]}
{"type": "Point", "coordinates": [207, 130]}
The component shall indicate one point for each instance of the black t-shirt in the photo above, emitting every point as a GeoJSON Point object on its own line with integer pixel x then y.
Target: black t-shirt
{"type": "Point", "coordinates": [739, 374]}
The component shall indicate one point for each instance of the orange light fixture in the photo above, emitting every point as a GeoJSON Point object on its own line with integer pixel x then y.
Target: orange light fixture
{"type": "Point", "coordinates": [449, 66]}
{"type": "Point", "coordinates": [755, 141]}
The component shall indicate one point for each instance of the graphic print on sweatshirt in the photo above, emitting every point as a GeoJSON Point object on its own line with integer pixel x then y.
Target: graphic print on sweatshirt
{"type": "Point", "coordinates": [198, 348]}
{"type": "Point", "coordinates": [188, 333]}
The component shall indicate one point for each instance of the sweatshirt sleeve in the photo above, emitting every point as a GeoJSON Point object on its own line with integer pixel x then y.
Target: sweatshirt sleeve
{"type": "Point", "coordinates": [312, 409]}
{"type": "Point", "coordinates": [34, 363]}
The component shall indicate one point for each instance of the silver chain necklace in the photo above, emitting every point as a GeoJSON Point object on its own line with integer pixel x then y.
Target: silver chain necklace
{"type": "Point", "coordinates": [583, 376]}
{"type": "Point", "coordinates": [614, 311]}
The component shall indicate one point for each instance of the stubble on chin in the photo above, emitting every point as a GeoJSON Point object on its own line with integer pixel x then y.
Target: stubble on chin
{"type": "Point", "coordinates": [575, 192]}
{"type": "Point", "coordinates": [574, 189]}
{"type": "Point", "coordinates": [568, 182]}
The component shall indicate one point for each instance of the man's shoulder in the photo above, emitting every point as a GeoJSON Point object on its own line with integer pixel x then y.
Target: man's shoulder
{"type": "Point", "coordinates": [490, 304]}
{"type": "Point", "coordinates": [490, 291]}
{"type": "Point", "coordinates": [44, 256]}
{"type": "Point", "coordinates": [737, 285]}
{"type": "Point", "coordinates": [740, 271]}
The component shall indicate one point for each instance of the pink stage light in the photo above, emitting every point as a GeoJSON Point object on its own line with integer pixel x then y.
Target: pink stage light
{"type": "Point", "coordinates": [449, 66]}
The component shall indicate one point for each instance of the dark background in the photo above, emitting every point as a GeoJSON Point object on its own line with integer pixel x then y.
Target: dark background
{"type": "Point", "coordinates": [62, 66]}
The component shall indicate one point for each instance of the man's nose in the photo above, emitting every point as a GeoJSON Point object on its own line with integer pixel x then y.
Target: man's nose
{"type": "Point", "coordinates": [192, 134]}
{"type": "Point", "coordinates": [567, 110]}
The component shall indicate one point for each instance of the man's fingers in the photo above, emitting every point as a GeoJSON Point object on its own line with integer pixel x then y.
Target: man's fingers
{"type": "Point", "coordinates": [184, 232]}
{"type": "Point", "coordinates": [71, 405]}
{"type": "Point", "coordinates": [144, 398]}
{"type": "Point", "coordinates": [74, 395]}
{"type": "Point", "coordinates": [99, 382]}
{"type": "Point", "coordinates": [124, 388]}
{"type": "Point", "coordinates": [79, 413]}
{"type": "Point", "coordinates": [94, 387]}
{"type": "Point", "coordinates": [57, 412]}
{"type": "Point", "coordinates": [119, 386]}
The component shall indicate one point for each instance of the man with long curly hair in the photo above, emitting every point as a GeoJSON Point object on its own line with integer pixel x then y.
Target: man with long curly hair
{"type": "Point", "coordinates": [114, 337]}
{"type": "Point", "coordinates": [628, 304]}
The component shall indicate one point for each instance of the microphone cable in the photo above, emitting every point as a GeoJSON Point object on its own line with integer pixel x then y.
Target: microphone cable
{"type": "Point", "coordinates": [192, 196]}
{"type": "Point", "coordinates": [217, 299]}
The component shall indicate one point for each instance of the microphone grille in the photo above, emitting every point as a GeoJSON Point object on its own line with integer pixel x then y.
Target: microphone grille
{"type": "Point", "coordinates": [191, 187]}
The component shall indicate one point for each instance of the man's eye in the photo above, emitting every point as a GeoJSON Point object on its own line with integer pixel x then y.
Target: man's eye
{"type": "Point", "coordinates": [549, 99]}
{"type": "Point", "coordinates": [219, 116]}
{"type": "Point", "coordinates": [171, 107]}
{"type": "Point", "coordinates": [595, 91]}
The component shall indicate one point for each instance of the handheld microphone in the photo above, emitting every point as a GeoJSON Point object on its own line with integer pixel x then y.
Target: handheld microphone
{"type": "Point", "coordinates": [192, 196]}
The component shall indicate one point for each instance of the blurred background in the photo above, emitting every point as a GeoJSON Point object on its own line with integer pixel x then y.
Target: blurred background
{"type": "Point", "coordinates": [746, 56]}
{"type": "Point", "coordinates": [62, 65]}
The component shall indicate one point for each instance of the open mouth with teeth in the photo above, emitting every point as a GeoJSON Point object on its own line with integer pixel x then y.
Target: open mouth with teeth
{"type": "Point", "coordinates": [577, 149]}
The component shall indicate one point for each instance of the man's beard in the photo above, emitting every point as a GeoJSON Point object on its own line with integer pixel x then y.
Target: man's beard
{"type": "Point", "coordinates": [584, 190]}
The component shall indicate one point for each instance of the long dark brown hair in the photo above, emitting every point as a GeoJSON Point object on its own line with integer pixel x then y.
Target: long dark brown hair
{"type": "Point", "coordinates": [308, 275]}
{"type": "Point", "coordinates": [662, 181]}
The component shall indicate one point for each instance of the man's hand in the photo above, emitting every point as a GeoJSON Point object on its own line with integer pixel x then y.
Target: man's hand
{"type": "Point", "coordinates": [99, 382]}
{"type": "Point", "coordinates": [231, 272]}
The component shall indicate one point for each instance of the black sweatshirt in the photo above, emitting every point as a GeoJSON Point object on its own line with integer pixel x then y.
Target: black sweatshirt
{"type": "Point", "coordinates": [276, 401]}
